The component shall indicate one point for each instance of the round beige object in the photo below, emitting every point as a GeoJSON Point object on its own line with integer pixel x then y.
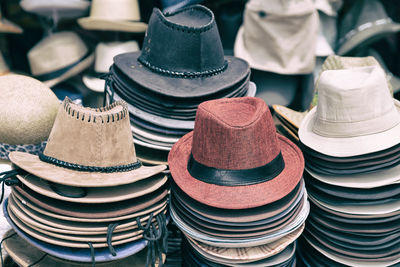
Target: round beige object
{"type": "Point", "coordinates": [27, 110]}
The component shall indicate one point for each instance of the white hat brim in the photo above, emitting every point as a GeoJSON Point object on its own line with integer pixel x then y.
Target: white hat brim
{"type": "Point", "coordinates": [90, 23]}
{"type": "Point", "coordinates": [347, 146]}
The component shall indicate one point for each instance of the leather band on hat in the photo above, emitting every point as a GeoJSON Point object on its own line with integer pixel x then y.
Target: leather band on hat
{"type": "Point", "coordinates": [58, 73]}
{"type": "Point", "coordinates": [77, 167]}
{"type": "Point", "coordinates": [226, 177]}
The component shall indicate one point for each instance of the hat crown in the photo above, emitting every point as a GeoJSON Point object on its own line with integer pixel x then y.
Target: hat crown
{"type": "Point", "coordinates": [92, 137]}
{"type": "Point", "coordinates": [185, 41]}
{"type": "Point", "coordinates": [354, 102]}
{"type": "Point", "coordinates": [105, 53]}
{"type": "Point", "coordinates": [289, 28]}
{"type": "Point", "coordinates": [234, 134]}
{"type": "Point", "coordinates": [115, 10]}
{"type": "Point", "coordinates": [28, 109]}
{"type": "Point", "coordinates": [55, 52]}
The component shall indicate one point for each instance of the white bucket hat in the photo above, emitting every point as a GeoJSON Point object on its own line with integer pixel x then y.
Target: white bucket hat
{"type": "Point", "coordinates": [58, 57]}
{"type": "Point", "coordinates": [279, 36]}
{"type": "Point", "coordinates": [62, 8]}
{"type": "Point", "coordinates": [104, 54]}
{"type": "Point", "coordinates": [114, 15]}
{"type": "Point", "coordinates": [355, 114]}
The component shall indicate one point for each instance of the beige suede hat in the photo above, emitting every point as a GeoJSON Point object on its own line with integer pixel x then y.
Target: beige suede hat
{"type": "Point", "coordinates": [114, 15]}
{"type": "Point", "coordinates": [279, 36]}
{"type": "Point", "coordinates": [355, 115]}
{"type": "Point", "coordinates": [58, 57]}
{"type": "Point", "coordinates": [28, 109]}
{"type": "Point", "coordinates": [88, 148]}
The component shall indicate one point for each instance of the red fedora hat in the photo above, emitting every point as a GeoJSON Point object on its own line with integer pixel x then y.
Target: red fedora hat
{"type": "Point", "coordinates": [234, 159]}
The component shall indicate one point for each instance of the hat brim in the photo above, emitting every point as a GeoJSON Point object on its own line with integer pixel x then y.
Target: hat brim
{"type": "Point", "coordinates": [100, 24]}
{"type": "Point", "coordinates": [167, 122]}
{"type": "Point", "coordinates": [151, 156]}
{"type": "Point", "coordinates": [347, 146]}
{"type": "Point", "coordinates": [358, 209]}
{"type": "Point", "coordinates": [286, 246]}
{"type": "Point", "coordinates": [24, 254]}
{"type": "Point", "coordinates": [294, 118]}
{"type": "Point", "coordinates": [93, 83]}
{"type": "Point", "coordinates": [92, 227]}
{"type": "Point", "coordinates": [129, 65]}
{"type": "Point", "coordinates": [98, 194]}
{"type": "Point", "coordinates": [84, 64]}
{"type": "Point", "coordinates": [236, 197]}
{"type": "Point", "coordinates": [7, 26]}
{"type": "Point", "coordinates": [369, 180]}
{"type": "Point", "coordinates": [82, 217]}
{"type": "Point", "coordinates": [366, 36]}
{"type": "Point", "coordinates": [242, 243]}
{"type": "Point", "coordinates": [62, 229]}
{"type": "Point", "coordinates": [32, 164]}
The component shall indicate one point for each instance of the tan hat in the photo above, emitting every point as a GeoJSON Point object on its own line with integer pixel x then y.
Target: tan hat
{"type": "Point", "coordinates": [355, 114]}
{"type": "Point", "coordinates": [58, 57]}
{"type": "Point", "coordinates": [27, 110]}
{"type": "Point", "coordinates": [4, 69]}
{"type": "Point", "coordinates": [114, 15]}
{"type": "Point", "coordinates": [279, 36]}
{"type": "Point", "coordinates": [88, 148]}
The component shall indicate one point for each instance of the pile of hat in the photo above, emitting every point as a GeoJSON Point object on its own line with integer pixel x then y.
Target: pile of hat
{"type": "Point", "coordinates": [181, 64]}
{"type": "Point", "coordinates": [350, 141]}
{"type": "Point", "coordinates": [87, 198]}
{"type": "Point", "coordinates": [237, 193]}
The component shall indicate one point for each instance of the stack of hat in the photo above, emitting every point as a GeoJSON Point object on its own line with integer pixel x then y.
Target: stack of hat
{"type": "Point", "coordinates": [238, 194]}
{"type": "Point", "coordinates": [278, 39]}
{"type": "Point", "coordinates": [181, 64]}
{"type": "Point", "coordinates": [56, 8]}
{"type": "Point", "coordinates": [87, 198]}
{"type": "Point", "coordinates": [351, 141]}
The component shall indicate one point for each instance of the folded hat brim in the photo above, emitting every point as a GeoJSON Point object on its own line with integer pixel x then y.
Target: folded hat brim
{"type": "Point", "coordinates": [236, 197]}
{"type": "Point", "coordinates": [81, 66]}
{"type": "Point", "coordinates": [241, 51]}
{"type": "Point", "coordinates": [93, 83]}
{"type": "Point", "coordinates": [97, 194]}
{"type": "Point", "coordinates": [347, 146]}
{"type": "Point", "coordinates": [367, 35]}
{"type": "Point", "coordinates": [291, 116]}
{"type": "Point", "coordinates": [101, 24]}
{"type": "Point", "coordinates": [172, 86]}
{"type": "Point", "coordinates": [32, 164]}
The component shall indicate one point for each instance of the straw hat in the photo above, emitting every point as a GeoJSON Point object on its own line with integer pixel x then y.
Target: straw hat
{"type": "Point", "coordinates": [279, 36]}
{"type": "Point", "coordinates": [58, 57]}
{"type": "Point", "coordinates": [88, 148]}
{"type": "Point", "coordinates": [212, 165]}
{"type": "Point", "coordinates": [104, 54]}
{"type": "Point", "coordinates": [114, 15]}
{"type": "Point", "coordinates": [355, 114]}
{"type": "Point", "coordinates": [27, 112]}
